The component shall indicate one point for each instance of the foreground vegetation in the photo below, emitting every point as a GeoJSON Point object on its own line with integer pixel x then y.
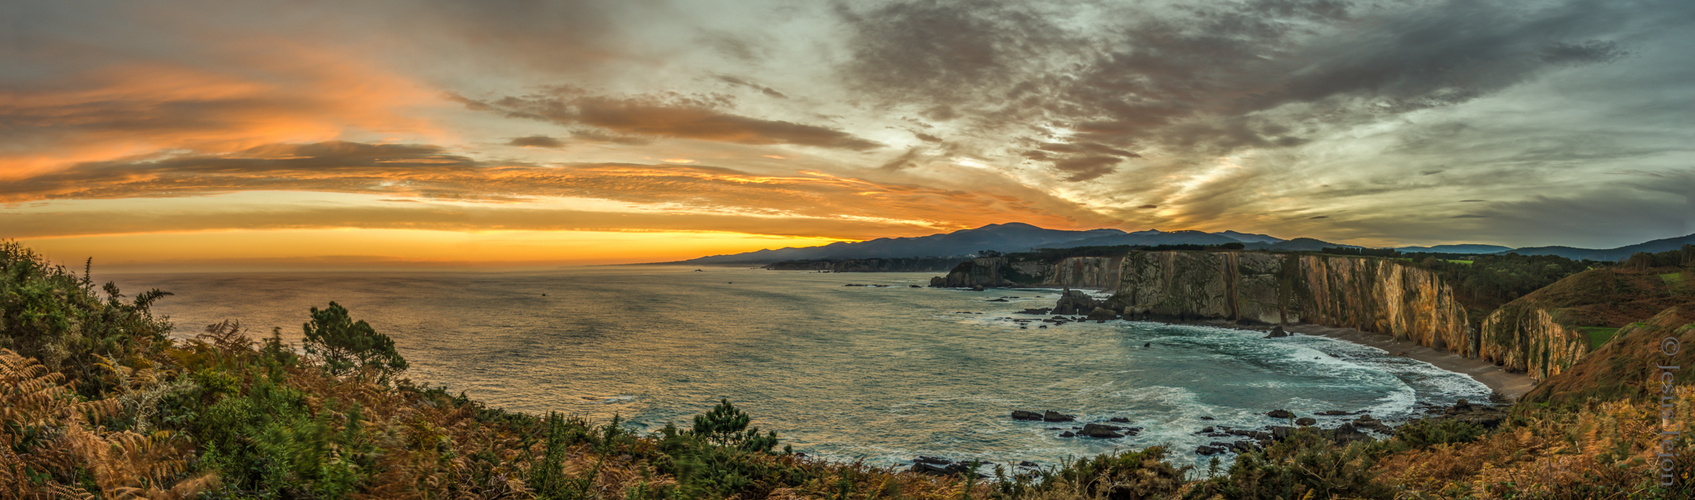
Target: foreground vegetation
{"type": "Point", "coordinates": [99, 400]}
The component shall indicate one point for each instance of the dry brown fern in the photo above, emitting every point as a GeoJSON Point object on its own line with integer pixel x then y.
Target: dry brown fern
{"type": "Point", "coordinates": [41, 414]}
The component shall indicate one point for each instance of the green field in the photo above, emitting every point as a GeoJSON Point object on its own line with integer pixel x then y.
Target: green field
{"type": "Point", "coordinates": [1466, 262]}
{"type": "Point", "coordinates": [1673, 279]}
{"type": "Point", "coordinates": [1599, 335]}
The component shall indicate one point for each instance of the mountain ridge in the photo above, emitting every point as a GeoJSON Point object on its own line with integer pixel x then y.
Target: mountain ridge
{"type": "Point", "coordinates": [1019, 237]}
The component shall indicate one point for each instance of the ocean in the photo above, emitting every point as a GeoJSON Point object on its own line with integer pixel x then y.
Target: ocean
{"type": "Point", "coordinates": [875, 373]}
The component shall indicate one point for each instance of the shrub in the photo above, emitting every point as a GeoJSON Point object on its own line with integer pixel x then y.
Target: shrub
{"type": "Point", "coordinates": [1425, 433]}
{"type": "Point", "coordinates": [1306, 465]}
{"type": "Point", "coordinates": [1127, 475]}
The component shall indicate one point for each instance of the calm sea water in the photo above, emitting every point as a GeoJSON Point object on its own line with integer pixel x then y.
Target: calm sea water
{"type": "Point", "coordinates": [879, 374]}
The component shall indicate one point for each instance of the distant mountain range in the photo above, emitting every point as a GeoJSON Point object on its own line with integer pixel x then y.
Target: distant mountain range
{"type": "Point", "coordinates": [1010, 237]}
{"type": "Point", "coordinates": [1019, 237]}
{"type": "Point", "coordinates": [1619, 253]}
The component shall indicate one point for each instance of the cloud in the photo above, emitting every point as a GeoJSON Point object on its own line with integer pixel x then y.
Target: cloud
{"type": "Point", "coordinates": [536, 141]}
{"type": "Point", "coordinates": [1198, 81]}
{"type": "Point", "coordinates": [431, 173]}
{"type": "Point", "coordinates": [744, 83]}
{"type": "Point", "coordinates": [902, 161]}
{"type": "Point", "coordinates": [664, 116]}
{"type": "Point", "coordinates": [268, 93]}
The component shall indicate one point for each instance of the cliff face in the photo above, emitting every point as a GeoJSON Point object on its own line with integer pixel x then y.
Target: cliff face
{"type": "Point", "coordinates": [1368, 294]}
{"type": "Point", "coordinates": [1627, 366]}
{"type": "Point", "coordinates": [1381, 296]}
{"type": "Point", "coordinates": [1522, 337]}
{"type": "Point", "coordinates": [1372, 295]}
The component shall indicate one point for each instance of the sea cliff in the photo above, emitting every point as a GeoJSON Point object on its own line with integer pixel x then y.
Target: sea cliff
{"type": "Point", "coordinates": [1521, 337]}
{"type": "Point", "coordinates": [1375, 295]}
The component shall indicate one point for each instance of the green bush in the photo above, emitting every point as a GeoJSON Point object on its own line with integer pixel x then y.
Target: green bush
{"type": "Point", "coordinates": [268, 443]}
{"type": "Point", "coordinates": [51, 314]}
{"type": "Point", "coordinates": [1127, 475]}
{"type": "Point", "coordinates": [1306, 465]}
{"type": "Point", "coordinates": [720, 457]}
{"type": "Point", "coordinates": [1426, 433]}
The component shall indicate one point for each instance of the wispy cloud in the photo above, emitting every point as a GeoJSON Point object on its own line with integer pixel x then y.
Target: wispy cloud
{"type": "Point", "coordinates": [664, 116]}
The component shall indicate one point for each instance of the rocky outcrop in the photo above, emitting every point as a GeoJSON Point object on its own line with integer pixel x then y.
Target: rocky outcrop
{"type": "Point", "coordinates": [1075, 302]}
{"type": "Point", "coordinates": [1520, 337]}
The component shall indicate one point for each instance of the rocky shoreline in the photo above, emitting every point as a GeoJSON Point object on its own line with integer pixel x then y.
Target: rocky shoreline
{"type": "Point", "coordinates": [1078, 306]}
{"type": "Point", "coordinates": [1506, 386]}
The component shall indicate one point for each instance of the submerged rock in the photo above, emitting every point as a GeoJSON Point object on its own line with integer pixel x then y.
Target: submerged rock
{"type": "Point", "coordinates": [1280, 414]}
{"type": "Point", "coordinates": [1054, 416]}
{"type": "Point", "coordinates": [1277, 332]}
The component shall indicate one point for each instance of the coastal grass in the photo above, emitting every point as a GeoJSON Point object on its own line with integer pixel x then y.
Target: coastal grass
{"type": "Point", "coordinates": [1599, 335]}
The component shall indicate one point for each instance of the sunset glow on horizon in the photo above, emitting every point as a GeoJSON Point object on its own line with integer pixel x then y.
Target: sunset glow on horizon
{"type": "Point", "coordinates": [444, 134]}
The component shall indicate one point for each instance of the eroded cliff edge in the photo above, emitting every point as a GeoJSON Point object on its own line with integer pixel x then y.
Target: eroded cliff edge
{"type": "Point", "coordinates": [1376, 295]}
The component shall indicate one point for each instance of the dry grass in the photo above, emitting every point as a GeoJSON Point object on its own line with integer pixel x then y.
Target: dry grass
{"type": "Point", "coordinates": [1606, 450]}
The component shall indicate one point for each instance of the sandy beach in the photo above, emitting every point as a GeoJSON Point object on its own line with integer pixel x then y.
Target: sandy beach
{"type": "Point", "coordinates": [1507, 385]}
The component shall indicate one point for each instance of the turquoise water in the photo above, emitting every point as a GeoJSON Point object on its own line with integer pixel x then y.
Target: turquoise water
{"type": "Point", "coordinates": [881, 374]}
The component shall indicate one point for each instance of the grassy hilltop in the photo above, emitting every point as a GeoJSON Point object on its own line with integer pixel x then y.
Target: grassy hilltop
{"type": "Point", "coordinates": [99, 400]}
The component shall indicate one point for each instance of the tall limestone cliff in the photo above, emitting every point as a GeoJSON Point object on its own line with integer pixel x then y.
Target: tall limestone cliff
{"type": "Point", "coordinates": [1541, 331]}
{"type": "Point", "coordinates": [1368, 294]}
{"type": "Point", "coordinates": [1522, 337]}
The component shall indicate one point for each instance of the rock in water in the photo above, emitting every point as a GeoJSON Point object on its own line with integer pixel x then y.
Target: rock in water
{"type": "Point", "coordinates": [1054, 416]}
{"type": "Point", "coordinates": [1075, 302]}
{"type": "Point", "coordinates": [1280, 414]}
{"type": "Point", "coordinates": [1025, 415]}
{"type": "Point", "coordinates": [1101, 431]}
{"type": "Point", "coordinates": [1102, 314]}
{"type": "Point", "coordinates": [1306, 421]}
{"type": "Point", "coordinates": [1277, 332]}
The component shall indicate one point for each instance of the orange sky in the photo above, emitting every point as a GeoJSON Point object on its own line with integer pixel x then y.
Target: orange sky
{"type": "Point", "coordinates": [329, 133]}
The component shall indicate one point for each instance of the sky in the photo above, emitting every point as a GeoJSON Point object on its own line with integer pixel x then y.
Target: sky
{"type": "Point", "coordinates": [168, 134]}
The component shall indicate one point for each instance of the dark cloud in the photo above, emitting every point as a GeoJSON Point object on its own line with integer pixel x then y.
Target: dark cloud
{"type": "Point", "coordinates": [1468, 216]}
{"type": "Point", "coordinates": [1084, 168]}
{"type": "Point", "coordinates": [902, 161]}
{"type": "Point", "coordinates": [664, 116]}
{"type": "Point", "coordinates": [536, 141]}
{"type": "Point", "coordinates": [926, 137]}
{"type": "Point", "coordinates": [1204, 81]}
{"type": "Point", "coordinates": [934, 51]}
{"type": "Point", "coordinates": [744, 83]}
